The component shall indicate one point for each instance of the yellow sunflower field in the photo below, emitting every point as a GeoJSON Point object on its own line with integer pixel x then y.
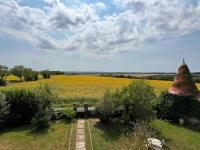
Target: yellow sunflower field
{"type": "Point", "coordinates": [67, 86]}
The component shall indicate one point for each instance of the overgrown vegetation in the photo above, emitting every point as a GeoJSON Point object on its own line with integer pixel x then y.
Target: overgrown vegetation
{"type": "Point", "coordinates": [4, 110]}
{"type": "Point", "coordinates": [173, 107]}
{"type": "Point", "coordinates": [19, 106]}
{"type": "Point", "coordinates": [135, 136]}
{"type": "Point", "coordinates": [41, 119]}
{"type": "Point", "coordinates": [67, 113]}
{"type": "Point", "coordinates": [133, 100]}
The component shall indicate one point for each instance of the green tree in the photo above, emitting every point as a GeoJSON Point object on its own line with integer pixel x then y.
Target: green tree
{"type": "Point", "coordinates": [106, 107]}
{"type": "Point", "coordinates": [4, 72]}
{"type": "Point", "coordinates": [133, 102]}
{"type": "Point", "coordinates": [30, 75]}
{"type": "Point", "coordinates": [18, 71]}
{"type": "Point", "coordinates": [46, 74]}
{"type": "Point", "coordinates": [46, 97]}
{"type": "Point", "coordinates": [136, 99]}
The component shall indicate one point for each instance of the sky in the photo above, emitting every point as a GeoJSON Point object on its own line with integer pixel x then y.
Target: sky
{"type": "Point", "coordinates": [100, 35]}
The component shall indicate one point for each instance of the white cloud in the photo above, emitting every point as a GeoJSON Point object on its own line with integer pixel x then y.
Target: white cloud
{"type": "Point", "coordinates": [99, 5]}
{"type": "Point", "coordinates": [62, 17]}
{"type": "Point", "coordinates": [141, 21]}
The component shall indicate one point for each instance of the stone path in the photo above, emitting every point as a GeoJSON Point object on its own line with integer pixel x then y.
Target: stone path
{"type": "Point", "coordinates": [80, 135]}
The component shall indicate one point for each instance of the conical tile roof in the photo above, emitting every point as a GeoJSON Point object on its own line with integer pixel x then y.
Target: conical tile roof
{"type": "Point", "coordinates": [184, 84]}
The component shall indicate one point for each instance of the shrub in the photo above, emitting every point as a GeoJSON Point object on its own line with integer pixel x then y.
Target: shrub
{"type": "Point", "coordinates": [30, 75]}
{"type": "Point", "coordinates": [4, 110]}
{"type": "Point", "coordinates": [23, 105]}
{"type": "Point", "coordinates": [106, 107]}
{"type": "Point", "coordinates": [2, 82]}
{"type": "Point", "coordinates": [173, 107]}
{"type": "Point", "coordinates": [46, 74]}
{"type": "Point", "coordinates": [133, 101]}
{"type": "Point", "coordinates": [136, 100]}
{"type": "Point", "coordinates": [135, 136]}
{"type": "Point", "coordinates": [41, 119]}
{"type": "Point", "coordinates": [68, 113]}
{"type": "Point", "coordinates": [45, 96]}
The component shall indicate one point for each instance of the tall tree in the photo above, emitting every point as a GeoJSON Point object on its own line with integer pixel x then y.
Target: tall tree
{"type": "Point", "coordinates": [136, 99]}
{"type": "Point", "coordinates": [3, 74]}
{"type": "Point", "coordinates": [30, 75]}
{"type": "Point", "coordinates": [3, 71]}
{"type": "Point", "coordinates": [18, 71]}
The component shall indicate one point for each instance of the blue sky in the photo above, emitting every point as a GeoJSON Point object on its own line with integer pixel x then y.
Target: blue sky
{"type": "Point", "coordinates": [100, 35]}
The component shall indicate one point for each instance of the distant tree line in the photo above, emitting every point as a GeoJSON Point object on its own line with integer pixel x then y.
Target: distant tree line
{"type": "Point", "coordinates": [57, 73]}
{"type": "Point", "coordinates": [166, 77]}
{"type": "Point", "coordinates": [24, 73]}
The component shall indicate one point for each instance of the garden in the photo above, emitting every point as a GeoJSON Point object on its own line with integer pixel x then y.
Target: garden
{"type": "Point", "coordinates": [28, 118]}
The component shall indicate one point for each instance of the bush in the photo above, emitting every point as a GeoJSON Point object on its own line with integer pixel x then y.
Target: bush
{"type": "Point", "coordinates": [46, 74]}
{"type": "Point", "coordinates": [4, 110]}
{"type": "Point", "coordinates": [68, 113]}
{"type": "Point", "coordinates": [135, 136]}
{"type": "Point", "coordinates": [30, 75]}
{"type": "Point", "coordinates": [133, 102]}
{"type": "Point", "coordinates": [41, 119]}
{"type": "Point", "coordinates": [2, 82]}
{"type": "Point", "coordinates": [173, 107]}
{"type": "Point", "coordinates": [45, 96]}
{"type": "Point", "coordinates": [106, 107]}
{"type": "Point", "coordinates": [136, 100]}
{"type": "Point", "coordinates": [23, 105]}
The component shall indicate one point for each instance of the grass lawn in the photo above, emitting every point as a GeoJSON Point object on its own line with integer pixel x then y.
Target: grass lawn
{"type": "Point", "coordinates": [176, 137]}
{"type": "Point", "coordinates": [104, 136]}
{"type": "Point", "coordinates": [56, 137]}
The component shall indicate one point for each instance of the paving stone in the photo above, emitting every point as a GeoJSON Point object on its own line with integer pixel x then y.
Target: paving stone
{"type": "Point", "coordinates": [81, 121]}
{"type": "Point", "coordinates": [80, 131]}
{"type": "Point", "coordinates": [80, 126]}
{"type": "Point", "coordinates": [80, 138]}
{"type": "Point", "coordinates": [80, 145]}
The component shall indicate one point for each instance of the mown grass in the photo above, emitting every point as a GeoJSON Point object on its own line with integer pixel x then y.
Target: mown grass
{"type": "Point", "coordinates": [87, 136]}
{"type": "Point", "coordinates": [104, 136]}
{"type": "Point", "coordinates": [25, 138]}
{"type": "Point", "coordinates": [73, 137]}
{"type": "Point", "coordinates": [176, 137]}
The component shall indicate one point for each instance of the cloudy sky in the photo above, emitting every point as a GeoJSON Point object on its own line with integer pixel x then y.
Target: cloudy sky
{"type": "Point", "coordinates": [100, 35]}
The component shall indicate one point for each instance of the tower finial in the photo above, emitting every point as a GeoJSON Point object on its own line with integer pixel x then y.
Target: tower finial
{"type": "Point", "coordinates": [183, 62]}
